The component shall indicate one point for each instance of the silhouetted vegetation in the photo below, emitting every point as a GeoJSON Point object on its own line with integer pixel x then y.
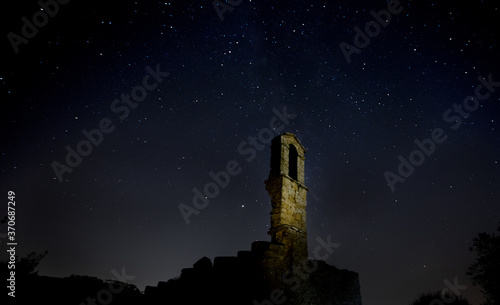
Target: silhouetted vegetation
{"type": "Point", "coordinates": [485, 271]}
{"type": "Point", "coordinates": [28, 265]}
{"type": "Point", "coordinates": [447, 298]}
{"type": "Point", "coordinates": [75, 289]}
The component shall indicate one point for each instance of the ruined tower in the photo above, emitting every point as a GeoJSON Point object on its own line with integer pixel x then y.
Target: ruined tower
{"type": "Point", "coordinates": [272, 272]}
{"type": "Point", "coordinates": [286, 188]}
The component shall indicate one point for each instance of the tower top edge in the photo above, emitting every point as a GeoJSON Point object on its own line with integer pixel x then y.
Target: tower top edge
{"type": "Point", "coordinates": [292, 135]}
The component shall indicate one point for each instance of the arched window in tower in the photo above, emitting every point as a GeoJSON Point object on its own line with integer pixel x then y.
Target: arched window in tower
{"type": "Point", "coordinates": [292, 161]}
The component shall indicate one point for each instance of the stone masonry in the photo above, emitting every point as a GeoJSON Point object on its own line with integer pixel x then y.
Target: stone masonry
{"type": "Point", "coordinates": [272, 272]}
{"type": "Point", "coordinates": [286, 188]}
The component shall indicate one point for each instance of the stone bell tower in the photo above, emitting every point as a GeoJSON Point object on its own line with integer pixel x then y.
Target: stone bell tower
{"type": "Point", "coordinates": [285, 185]}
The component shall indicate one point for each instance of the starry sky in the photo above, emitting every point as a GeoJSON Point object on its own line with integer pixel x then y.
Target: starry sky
{"type": "Point", "coordinates": [226, 73]}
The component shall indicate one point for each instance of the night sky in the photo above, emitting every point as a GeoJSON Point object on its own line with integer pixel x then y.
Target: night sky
{"type": "Point", "coordinates": [120, 206]}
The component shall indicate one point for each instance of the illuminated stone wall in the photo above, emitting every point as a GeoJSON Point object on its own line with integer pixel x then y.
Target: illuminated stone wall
{"type": "Point", "coordinates": [288, 198]}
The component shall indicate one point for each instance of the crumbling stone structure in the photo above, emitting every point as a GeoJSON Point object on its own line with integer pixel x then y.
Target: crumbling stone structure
{"type": "Point", "coordinates": [288, 198]}
{"type": "Point", "coordinates": [285, 184]}
{"type": "Point", "coordinates": [275, 272]}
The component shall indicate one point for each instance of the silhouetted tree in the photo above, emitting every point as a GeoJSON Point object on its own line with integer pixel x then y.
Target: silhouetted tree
{"type": "Point", "coordinates": [26, 266]}
{"type": "Point", "coordinates": [447, 298]}
{"type": "Point", "coordinates": [485, 271]}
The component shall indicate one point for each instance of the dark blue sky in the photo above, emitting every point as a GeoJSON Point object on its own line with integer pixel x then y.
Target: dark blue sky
{"type": "Point", "coordinates": [119, 207]}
